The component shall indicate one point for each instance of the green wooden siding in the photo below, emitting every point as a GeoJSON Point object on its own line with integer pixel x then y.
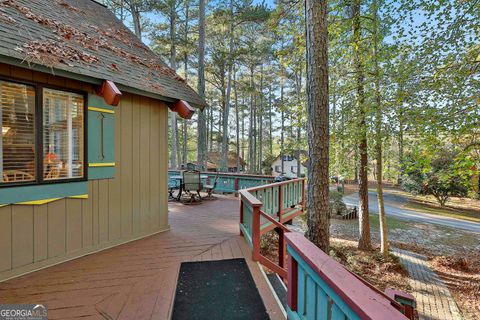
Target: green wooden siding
{"type": "Point", "coordinates": [101, 141]}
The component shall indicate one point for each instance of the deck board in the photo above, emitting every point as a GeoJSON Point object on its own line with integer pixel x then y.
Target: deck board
{"type": "Point", "coordinates": [137, 280]}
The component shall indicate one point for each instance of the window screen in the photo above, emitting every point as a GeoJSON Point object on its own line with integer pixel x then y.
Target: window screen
{"type": "Point", "coordinates": [17, 143]}
{"type": "Point", "coordinates": [62, 135]}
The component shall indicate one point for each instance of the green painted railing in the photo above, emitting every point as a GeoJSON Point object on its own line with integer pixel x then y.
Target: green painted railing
{"type": "Point", "coordinates": [321, 288]}
{"type": "Point", "coordinates": [266, 208]}
{"type": "Point", "coordinates": [318, 286]}
{"type": "Point", "coordinates": [231, 182]}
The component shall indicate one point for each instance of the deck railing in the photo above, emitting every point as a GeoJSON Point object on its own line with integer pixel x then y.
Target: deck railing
{"type": "Point", "coordinates": [267, 208]}
{"type": "Point", "coordinates": [321, 288]}
{"type": "Point", "coordinates": [232, 182]}
{"type": "Point", "coordinates": [318, 286]}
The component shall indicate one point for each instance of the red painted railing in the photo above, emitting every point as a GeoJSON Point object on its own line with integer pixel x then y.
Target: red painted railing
{"type": "Point", "coordinates": [321, 288]}
{"type": "Point", "coordinates": [318, 286]}
{"type": "Point", "coordinates": [266, 208]}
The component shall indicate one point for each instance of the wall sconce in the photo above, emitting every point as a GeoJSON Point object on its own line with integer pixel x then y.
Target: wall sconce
{"type": "Point", "coordinates": [5, 130]}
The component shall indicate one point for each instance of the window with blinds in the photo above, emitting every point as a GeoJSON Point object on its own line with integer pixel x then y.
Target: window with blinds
{"type": "Point", "coordinates": [17, 143]}
{"type": "Point", "coordinates": [63, 119]}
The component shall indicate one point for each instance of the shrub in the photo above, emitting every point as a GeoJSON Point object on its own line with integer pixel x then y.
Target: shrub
{"type": "Point", "coordinates": [441, 177]}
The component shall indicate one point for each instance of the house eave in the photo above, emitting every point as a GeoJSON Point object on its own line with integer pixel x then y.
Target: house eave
{"type": "Point", "coordinates": [80, 77]}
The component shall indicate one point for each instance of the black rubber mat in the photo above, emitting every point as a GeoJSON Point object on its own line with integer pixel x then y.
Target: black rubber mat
{"type": "Point", "coordinates": [214, 290]}
{"type": "Point", "coordinates": [279, 288]}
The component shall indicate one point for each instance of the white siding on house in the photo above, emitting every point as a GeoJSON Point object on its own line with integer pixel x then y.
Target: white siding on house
{"type": "Point", "coordinates": [289, 165]}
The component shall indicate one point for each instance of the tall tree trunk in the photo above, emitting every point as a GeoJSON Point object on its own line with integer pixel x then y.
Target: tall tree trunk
{"type": "Point", "coordinates": [226, 111]}
{"type": "Point", "coordinates": [298, 81]}
{"type": "Point", "coordinates": [250, 124]}
{"type": "Point", "coordinates": [282, 133]}
{"type": "Point", "coordinates": [174, 156]}
{"type": "Point", "coordinates": [243, 128]}
{"type": "Point", "coordinates": [254, 154]}
{"type": "Point", "coordinates": [260, 122]}
{"type": "Point", "coordinates": [378, 135]}
{"type": "Point", "coordinates": [318, 123]}
{"type": "Point", "coordinates": [364, 242]}
{"type": "Point", "coordinates": [237, 118]}
{"type": "Point", "coordinates": [201, 127]}
{"type": "Point", "coordinates": [270, 130]}
{"type": "Point", "coordinates": [400, 141]}
{"type": "Point", "coordinates": [136, 19]}
{"type": "Point", "coordinates": [185, 67]}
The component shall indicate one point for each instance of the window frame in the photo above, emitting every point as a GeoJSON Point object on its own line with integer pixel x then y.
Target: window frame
{"type": "Point", "coordinates": [39, 156]}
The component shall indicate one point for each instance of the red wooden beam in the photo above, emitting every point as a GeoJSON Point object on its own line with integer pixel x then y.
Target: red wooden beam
{"type": "Point", "coordinates": [292, 283]}
{"type": "Point", "coordinates": [183, 109]}
{"type": "Point", "coordinates": [110, 93]}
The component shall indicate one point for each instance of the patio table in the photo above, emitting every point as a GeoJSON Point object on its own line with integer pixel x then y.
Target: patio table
{"type": "Point", "coordinates": [180, 179]}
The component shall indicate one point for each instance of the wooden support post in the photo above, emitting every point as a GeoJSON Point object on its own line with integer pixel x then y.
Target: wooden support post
{"type": "Point", "coordinates": [241, 215]}
{"type": "Point", "coordinates": [303, 195]}
{"type": "Point", "coordinates": [280, 203]}
{"type": "Point", "coordinates": [292, 284]}
{"type": "Point", "coordinates": [256, 233]}
{"type": "Point", "coordinates": [282, 247]}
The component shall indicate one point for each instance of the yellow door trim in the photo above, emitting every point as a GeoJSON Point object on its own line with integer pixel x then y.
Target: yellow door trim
{"type": "Point", "coordinates": [100, 164]}
{"type": "Point", "coordinates": [38, 202]}
{"type": "Point", "coordinates": [100, 110]}
{"type": "Point", "coordinates": [80, 196]}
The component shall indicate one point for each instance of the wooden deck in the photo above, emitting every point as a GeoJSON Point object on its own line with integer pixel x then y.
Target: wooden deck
{"type": "Point", "coordinates": [138, 280]}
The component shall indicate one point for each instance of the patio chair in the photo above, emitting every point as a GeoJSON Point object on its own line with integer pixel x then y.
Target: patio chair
{"type": "Point", "coordinates": [192, 184]}
{"type": "Point", "coordinates": [172, 186]}
{"type": "Point", "coordinates": [209, 188]}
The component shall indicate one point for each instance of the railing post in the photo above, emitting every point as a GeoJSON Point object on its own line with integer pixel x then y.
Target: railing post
{"type": "Point", "coordinates": [280, 203]}
{"type": "Point", "coordinates": [255, 232]}
{"type": "Point", "coordinates": [282, 248]}
{"type": "Point", "coordinates": [241, 215]}
{"type": "Point", "coordinates": [236, 186]}
{"type": "Point", "coordinates": [303, 195]}
{"type": "Point", "coordinates": [292, 283]}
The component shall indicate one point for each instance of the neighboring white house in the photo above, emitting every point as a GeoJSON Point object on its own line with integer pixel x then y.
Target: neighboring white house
{"type": "Point", "coordinates": [289, 167]}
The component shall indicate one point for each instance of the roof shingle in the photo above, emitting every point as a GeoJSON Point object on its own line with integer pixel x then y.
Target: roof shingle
{"type": "Point", "coordinates": [83, 37]}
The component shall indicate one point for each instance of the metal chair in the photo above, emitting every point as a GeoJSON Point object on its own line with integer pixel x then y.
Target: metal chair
{"type": "Point", "coordinates": [192, 184]}
{"type": "Point", "coordinates": [172, 186]}
{"type": "Point", "coordinates": [209, 188]}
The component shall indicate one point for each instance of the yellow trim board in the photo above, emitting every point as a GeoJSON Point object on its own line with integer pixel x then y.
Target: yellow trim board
{"type": "Point", "coordinates": [100, 110]}
{"type": "Point", "coordinates": [3, 205]}
{"type": "Point", "coordinates": [106, 164]}
{"type": "Point", "coordinates": [38, 202]}
{"type": "Point", "coordinates": [80, 196]}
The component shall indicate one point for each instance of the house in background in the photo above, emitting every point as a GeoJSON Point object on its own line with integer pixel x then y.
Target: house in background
{"type": "Point", "coordinates": [214, 160]}
{"type": "Point", "coordinates": [290, 166]}
{"type": "Point", "coordinates": [83, 151]}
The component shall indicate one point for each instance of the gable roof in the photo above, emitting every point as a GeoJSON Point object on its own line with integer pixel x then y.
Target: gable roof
{"type": "Point", "coordinates": [216, 158]}
{"type": "Point", "coordinates": [82, 37]}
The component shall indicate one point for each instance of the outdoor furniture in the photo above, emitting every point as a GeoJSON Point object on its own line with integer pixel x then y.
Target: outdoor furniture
{"type": "Point", "coordinates": [172, 186]}
{"type": "Point", "coordinates": [209, 188]}
{"type": "Point", "coordinates": [179, 183]}
{"type": "Point", "coordinates": [191, 184]}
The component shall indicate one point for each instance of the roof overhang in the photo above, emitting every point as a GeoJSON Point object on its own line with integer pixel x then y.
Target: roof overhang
{"type": "Point", "coordinates": [85, 78]}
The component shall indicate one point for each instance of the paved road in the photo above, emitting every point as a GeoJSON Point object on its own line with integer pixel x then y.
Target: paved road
{"type": "Point", "coordinates": [393, 207]}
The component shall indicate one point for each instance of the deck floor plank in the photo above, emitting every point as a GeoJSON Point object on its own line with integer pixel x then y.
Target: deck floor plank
{"type": "Point", "coordinates": [137, 280]}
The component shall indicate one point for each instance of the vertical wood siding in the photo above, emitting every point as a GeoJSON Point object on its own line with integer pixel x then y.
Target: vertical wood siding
{"type": "Point", "coordinates": [132, 205]}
